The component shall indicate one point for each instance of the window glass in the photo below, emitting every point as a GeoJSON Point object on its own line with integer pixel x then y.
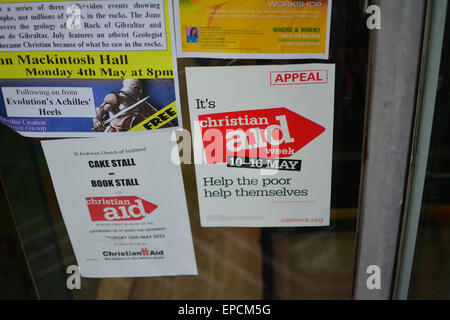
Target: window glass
{"type": "Point", "coordinates": [233, 263]}
{"type": "Point", "coordinates": [430, 278]}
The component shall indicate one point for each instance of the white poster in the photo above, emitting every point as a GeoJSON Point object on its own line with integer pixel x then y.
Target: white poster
{"type": "Point", "coordinates": [89, 68]}
{"type": "Point", "coordinates": [123, 204]}
{"type": "Point", "coordinates": [263, 144]}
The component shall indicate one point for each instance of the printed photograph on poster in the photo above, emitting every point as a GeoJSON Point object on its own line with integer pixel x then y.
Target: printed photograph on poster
{"type": "Point", "coordinates": [123, 205]}
{"type": "Point", "coordinates": [262, 138]}
{"type": "Point", "coordinates": [256, 29]}
{"type": "Point", "coordinates": [86, 69]}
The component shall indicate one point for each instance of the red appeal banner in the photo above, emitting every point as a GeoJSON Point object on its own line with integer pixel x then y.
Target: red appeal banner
{"type": "Point", "coordinates": [119, 208]}
{"type": "Point", "coordinates": [265, 133]}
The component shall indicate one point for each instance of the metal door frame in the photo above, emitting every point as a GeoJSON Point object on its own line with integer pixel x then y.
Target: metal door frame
{"type": "Point", "coordinates": [403, 69]}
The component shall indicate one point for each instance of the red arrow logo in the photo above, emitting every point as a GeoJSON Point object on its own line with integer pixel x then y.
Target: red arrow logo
{"type": "Point", "coordinates": [266, 133]}
{"type": "Point", "coordinates": [119, 208]}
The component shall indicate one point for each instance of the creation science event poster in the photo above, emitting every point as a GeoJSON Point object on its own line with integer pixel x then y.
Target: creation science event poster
{"type": "Point", "coordinates": [86, 69]}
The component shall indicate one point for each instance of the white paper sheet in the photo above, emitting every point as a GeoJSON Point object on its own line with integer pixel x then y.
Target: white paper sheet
{"type": "Point", "coordinates": [242, 179]}
{"type": "Point", "coordinates": [123, 204]}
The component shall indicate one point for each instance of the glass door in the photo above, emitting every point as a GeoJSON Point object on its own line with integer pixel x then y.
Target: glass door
{"type": "Point", "coordinates": [424, 266]}
{"type": "Point", "coordinates": [233, 263]}
{"type": "Point", "coordinates": [272, 263]}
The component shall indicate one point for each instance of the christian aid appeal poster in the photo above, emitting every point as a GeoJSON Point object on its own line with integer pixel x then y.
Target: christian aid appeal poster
{"type": "Point", "coordinates": [262, 139]}
{"type": "Point", "coordinates": [123, 205]}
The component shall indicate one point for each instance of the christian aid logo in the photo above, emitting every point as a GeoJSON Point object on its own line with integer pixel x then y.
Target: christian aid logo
{"type": "Point", "coordinates": [119, 208]}
{"type": "Point", "coordinates": [265, 133]}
